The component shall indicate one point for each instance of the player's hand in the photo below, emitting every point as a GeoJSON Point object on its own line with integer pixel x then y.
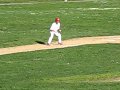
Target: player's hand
{"type": "Point", "coordinates": [60, 30]}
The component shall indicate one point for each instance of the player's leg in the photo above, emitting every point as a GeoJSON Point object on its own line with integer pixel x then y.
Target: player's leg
{"type": "Point", "coordinates": [51, 37]}
{"type": "Point", "coordinates": [65, 0]}
{"type": "Point", "coordinates": [59, 38]}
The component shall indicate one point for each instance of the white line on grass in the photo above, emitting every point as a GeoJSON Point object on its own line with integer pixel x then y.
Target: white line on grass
{"type": "Point", "coordinates": [83, 1]}
{"type": "Point", "coordinates": [35, 2]}
{"type": "Point", "coordinates": [98, 8]}
{"type": "Point", "coordinates": [5, 4]}
{"type": "Point", "coordinates": [27, 3]}
{"type": "Point", "coordinates": [85, 9]}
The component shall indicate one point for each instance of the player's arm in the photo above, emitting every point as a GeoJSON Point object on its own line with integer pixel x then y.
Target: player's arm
{"type": "Point", "coordinates": [59, 30]}
{"type": "Point", "coordinates": [52, 27]}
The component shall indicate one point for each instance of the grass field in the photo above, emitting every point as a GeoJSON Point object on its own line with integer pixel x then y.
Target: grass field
{"type": "Point", "coordinates": [89, 67]}
{"type": "Point", "coordinates": [25, 24]}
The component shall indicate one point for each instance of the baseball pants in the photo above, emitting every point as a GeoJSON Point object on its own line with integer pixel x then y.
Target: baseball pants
{"type": "Point", "coordinates": [52, 33]}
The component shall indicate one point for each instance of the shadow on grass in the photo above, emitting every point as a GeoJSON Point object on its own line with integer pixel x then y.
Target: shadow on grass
{"type": "Point", "coordinates": [40, 42]}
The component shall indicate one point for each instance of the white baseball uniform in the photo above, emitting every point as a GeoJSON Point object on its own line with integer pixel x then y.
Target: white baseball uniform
{"type": "Point", "coordinates": [54, 31]}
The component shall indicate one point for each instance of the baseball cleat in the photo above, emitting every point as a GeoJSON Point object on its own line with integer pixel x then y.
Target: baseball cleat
{"type": "Point", "coordinates": [60, 43]}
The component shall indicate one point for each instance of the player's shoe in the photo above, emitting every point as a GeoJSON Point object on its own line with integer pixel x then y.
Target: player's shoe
{"type": "Point", "coordinates": [60, 43]}
{"type": "Point", "coordinates": [47, 44]}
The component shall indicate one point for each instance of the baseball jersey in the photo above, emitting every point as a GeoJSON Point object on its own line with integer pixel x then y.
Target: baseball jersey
{"type": "Point", "coordinates": [55, 27]}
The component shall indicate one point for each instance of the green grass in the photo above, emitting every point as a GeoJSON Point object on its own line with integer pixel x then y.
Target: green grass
{"type": "Point", "coordinates": [22, 1]}
{"type": "Point", "coordinates": [78, 68]}
{"type": "Point", "coordinates": [25, 24]}
{"type": "Point", "coordinates": [89, 67]}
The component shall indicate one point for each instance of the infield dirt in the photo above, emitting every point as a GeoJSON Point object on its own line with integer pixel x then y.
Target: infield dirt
{"type": "Point", "coordinates": [66, 43]}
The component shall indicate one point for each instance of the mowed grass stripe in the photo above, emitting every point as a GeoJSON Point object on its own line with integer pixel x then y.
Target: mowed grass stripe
{"type": "Point", "coordinates": [97, 78]}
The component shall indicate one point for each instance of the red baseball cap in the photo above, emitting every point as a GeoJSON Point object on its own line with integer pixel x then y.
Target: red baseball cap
{"type": "Point", "coordinates": [57, 19]}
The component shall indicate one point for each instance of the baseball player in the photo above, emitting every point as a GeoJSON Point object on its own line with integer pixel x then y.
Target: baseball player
{"type": "Point", "coordinates": [55, 30]}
